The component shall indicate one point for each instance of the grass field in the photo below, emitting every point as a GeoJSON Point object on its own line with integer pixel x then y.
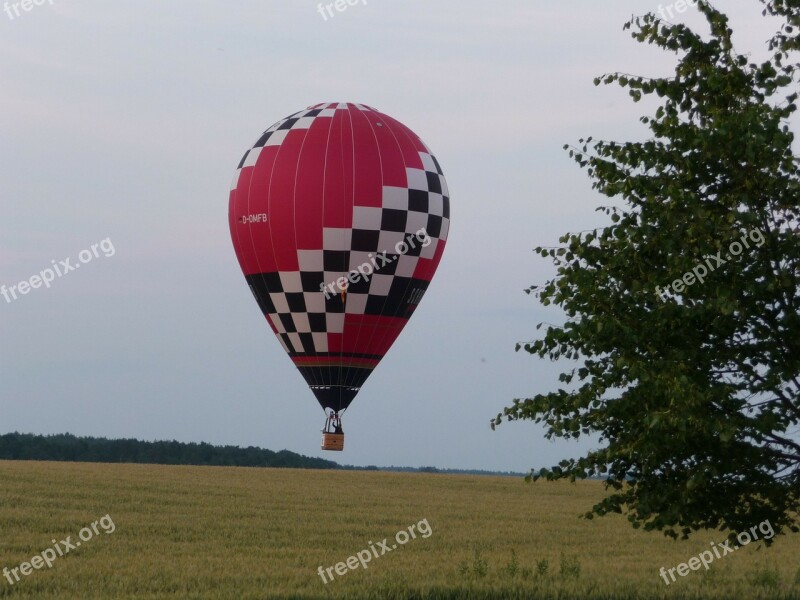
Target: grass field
{"type": "Point", "coordinates": [205, 532]}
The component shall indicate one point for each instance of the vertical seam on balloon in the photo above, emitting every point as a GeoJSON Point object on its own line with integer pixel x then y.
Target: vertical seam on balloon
{"type": "Point", "coordinates": [313, 372]}
{"type": "Point", "coordinates": [324, 188]}
{"type": "Point", "coordinates": [343, 376]}
{"type": "Point", "coordinates": [382, 337]}
{"type": "Point", "coordinates": [408, 134]}
{"type": "Point", "coordinates": [347, 370]}
{"type": "Point", "coordinates": [380, 160]}
{"type": "Point", "coordinates": [259, 270]}
{"type": "Point", "coordinates": [269, 223]}
{"type": "Point", "coordinates": [325, 382]}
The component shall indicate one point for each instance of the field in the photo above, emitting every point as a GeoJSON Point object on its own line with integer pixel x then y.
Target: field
{"type": "Point", "coordinates": [197, 532]}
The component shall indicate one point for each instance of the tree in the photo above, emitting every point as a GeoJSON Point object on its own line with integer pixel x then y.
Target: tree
{"type": "Point", "coordinates": [681, 315]}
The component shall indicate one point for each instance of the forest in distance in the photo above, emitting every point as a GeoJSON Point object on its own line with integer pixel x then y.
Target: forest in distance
{"type": "Point", "coordinates": [70, 448]}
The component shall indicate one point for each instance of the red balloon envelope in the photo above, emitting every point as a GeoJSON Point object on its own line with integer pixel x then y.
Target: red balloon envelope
{"type": "Point", "coordinates": [339, 215]}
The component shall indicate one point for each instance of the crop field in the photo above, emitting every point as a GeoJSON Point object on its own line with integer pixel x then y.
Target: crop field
{"type": "Point", "coordinates": [205, 532]}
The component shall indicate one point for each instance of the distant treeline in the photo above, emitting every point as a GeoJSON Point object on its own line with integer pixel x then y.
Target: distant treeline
{"type": "Point", "coordinates": [437, 470]}
{"type": "Point", "coordinates": [67, 447]}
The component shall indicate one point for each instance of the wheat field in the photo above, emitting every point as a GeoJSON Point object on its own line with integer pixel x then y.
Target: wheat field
{"type": "Point", "coordinates": [246, 533]}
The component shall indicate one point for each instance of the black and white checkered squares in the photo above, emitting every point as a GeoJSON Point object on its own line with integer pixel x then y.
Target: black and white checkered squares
{"type": "Point", "coordinates": [388, 241]}
{"type": "Point", "coordinates": [364, 270]}
{"type": "Point", "coordinates": [296, 307]}
{"type": "Point", "coordinates": [276, 134]}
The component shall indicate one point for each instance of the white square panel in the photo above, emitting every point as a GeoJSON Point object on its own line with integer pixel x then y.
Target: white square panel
{"type": "Point", "coordinates": [427, 162]}
{"type": "Point", "coordinates": [252, 157]}
{"type": "Point", "coordinates": [294, 338]}
{"type": "Point", "coordinates": [332, 281]}
{"type": "Point", "coordinates": [381, 284]}
{"type": "Point", "coordinates": [359, 258]}
{"type": "Point", "coordinates": [388, 240]}
{"type": "Point", "coordinates": [320, 341]}
{"type": "Point", "coordinates": [276, 139]}
{"type": "Point", "coordinates": [310, 260]}
{"type": "Point", "coordinates": [367, 217]}
{"type": "Point", "coordinates": [395, 197]}
{"type": "Point", "coordinates": [430, 251]}
{"type": "Point", "coordinates": [335, 322]}
{"type": "Point", "coordinates": [336, 238]}
{"type": "Point", "coordinates": [301, 322]}
{"type": "Point", "coordinates": [417, 180]}
{"type": "Point", "coordinates": [445, 229]}
{"type": "Point", "coordinates": [406, 266]}
{"type": "Point", "coordinates": [279, 300]}
{"type": "Point", "coordinates": [435, 204]}
{"type": "Point", "coordinates": [276, 321]}
{"type": "Point", "coordinates": [315, 301]}
{"type": "Point", "coordinates": [356, 303]}
{"type": "Point", "coordinates": [291, 281]}
{"type": "Point", "coordinates": [416, 221]}
{"type": "Point", "coordinates": [303, 123]}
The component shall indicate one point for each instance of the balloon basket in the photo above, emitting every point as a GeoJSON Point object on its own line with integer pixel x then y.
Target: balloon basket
{"type": "Point", "coordinates": [333, 441]}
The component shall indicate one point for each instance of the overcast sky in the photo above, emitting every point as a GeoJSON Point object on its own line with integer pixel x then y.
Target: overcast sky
{"type": "Point", "coordinates": [124, 121]}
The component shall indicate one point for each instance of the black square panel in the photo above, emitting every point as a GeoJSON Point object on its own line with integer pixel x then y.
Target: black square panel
{"type": "Point", "coordinates": [258, 286]}
{"type": "Point", "coordinates": [365, 240]}
{"type": "Point", "coordinates": [388, 268]}
{"type": "Point", "coordinates": [394, 220]}
{"type": "Point", "coordinates": [374, 305]}
{"type": "Point", "coordinates": [296, 302]}
{"type": "Point", "coordinates": [418, 200]}
{"type": "Point", "coordinates": [288, 124]}
{"type": "Point", "coordinates": [317, 322]}
{"type": "Point", "coordinates": [311, 280]}
{"type": "Point", "coordinates": [434, 183]}
{"type": "Point", "coordinates": [414, 245]}
{"type": "Point", "coordinates": [336, 260]}
{"type": "Point", "coordinates": [288, 323]}
{"type": "Point", "coordinates": [334, 304]}
{"type": "Point", "coordinates": [288, 342]}
{"type": "Point", "coordinates": [263, 140]}
{"type": "Point", "coordinates": [359, 287]}
{"type": "Point", "coordinates": [395, 305]}
{"type": "Point", "coordinates": [307, 340]}
{"type": "Point", "coordinates": [434, 227]}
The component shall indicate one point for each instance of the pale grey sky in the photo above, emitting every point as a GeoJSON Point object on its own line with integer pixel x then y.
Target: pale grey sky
{"type": "Point", "coordinates": [126, 120]}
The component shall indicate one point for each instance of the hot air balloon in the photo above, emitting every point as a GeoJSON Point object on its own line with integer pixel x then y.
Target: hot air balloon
{"type": "Point", "coordinates": [339, 216]}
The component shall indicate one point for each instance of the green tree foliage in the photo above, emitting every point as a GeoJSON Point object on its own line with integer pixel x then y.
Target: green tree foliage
{"type": "Point", "coordinates": [693, 393]}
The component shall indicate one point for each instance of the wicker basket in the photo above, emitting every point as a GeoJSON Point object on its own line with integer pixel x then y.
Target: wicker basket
{"type": "Point", "coordinates": [333, 441]}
